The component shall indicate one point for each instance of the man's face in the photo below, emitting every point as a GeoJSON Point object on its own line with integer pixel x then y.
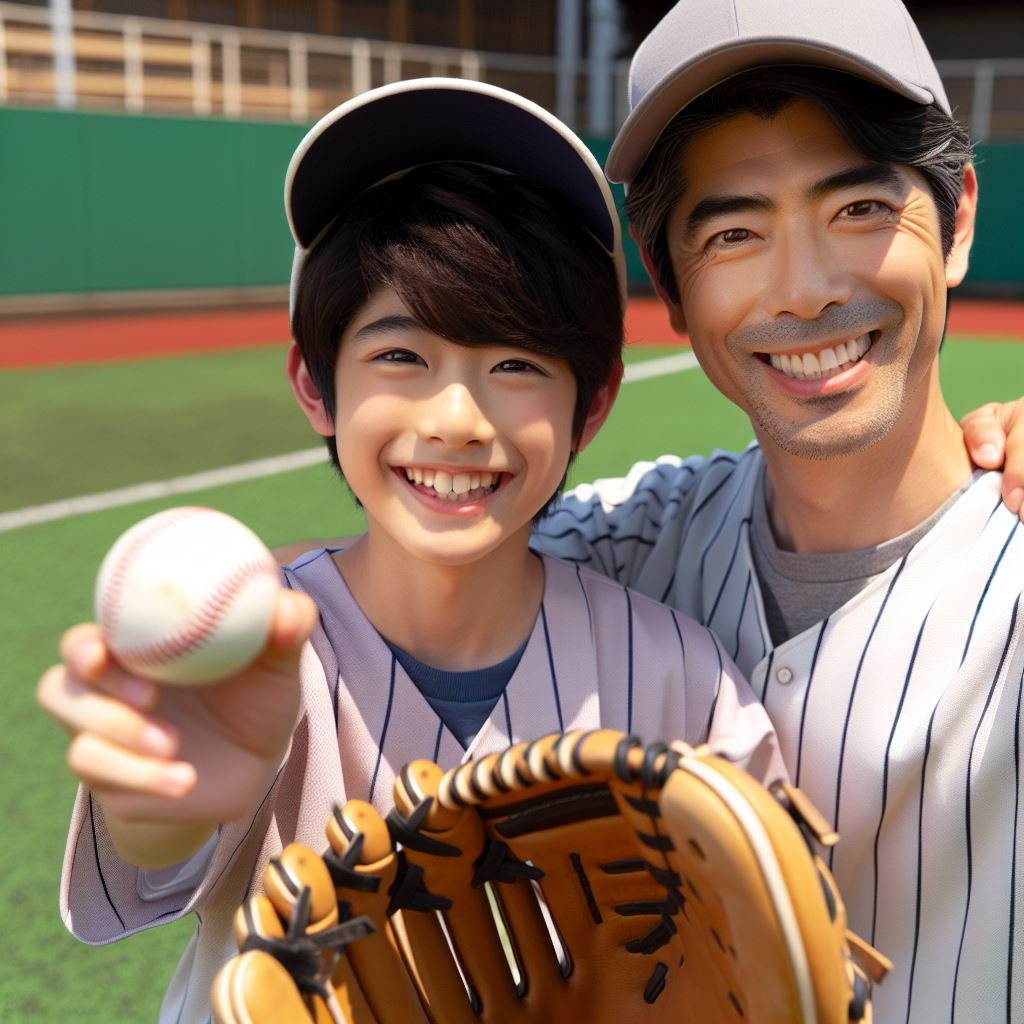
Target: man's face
{"type": "Point", "coordinates": [811, 280]}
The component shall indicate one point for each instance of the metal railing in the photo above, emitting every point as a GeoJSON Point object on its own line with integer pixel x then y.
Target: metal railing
{"type": "Point", "coordinates": [147, 64]}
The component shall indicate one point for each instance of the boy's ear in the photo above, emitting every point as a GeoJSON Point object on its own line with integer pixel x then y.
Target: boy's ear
{"type": "Point", "coordinates": [307, 394]}
{"type": "Point", "coordinates": [963, 229]}
{"type": "Point", "coordinates": [675, 309]}
{"type": "Point", "coordinates": [600, 407]}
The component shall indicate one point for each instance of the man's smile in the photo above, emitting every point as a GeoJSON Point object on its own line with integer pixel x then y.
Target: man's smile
{"type": "Point", "coordinates": [821, 363]}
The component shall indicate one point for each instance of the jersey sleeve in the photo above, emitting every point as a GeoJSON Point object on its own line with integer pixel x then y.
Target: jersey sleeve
{"type": "Point", "coordinates": [612, 525]}
{"type": "Point", "coordinates": [104, 898]}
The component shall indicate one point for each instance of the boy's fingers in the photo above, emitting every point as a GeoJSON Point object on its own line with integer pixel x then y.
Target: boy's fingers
{"type": "Point", "coordinates": [295, 618]}
{"type": "Point", "coordinates": [87, 657]}
{"type": "Point", "coordinates": [80, 708]}
{"type": "Point", "coordinates": [107, 768]}
{"type": "Point", "coordinates": [83, 651]}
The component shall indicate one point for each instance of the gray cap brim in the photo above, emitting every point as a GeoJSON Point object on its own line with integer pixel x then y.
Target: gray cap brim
{"type": "Point", "coordinates": [700, 43]}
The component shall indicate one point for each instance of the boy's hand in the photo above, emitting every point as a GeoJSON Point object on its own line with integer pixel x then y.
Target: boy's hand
{"type": "Point", "coordinates": [191, 757]}
{"type": "Point", "coordinates": [994, 435]}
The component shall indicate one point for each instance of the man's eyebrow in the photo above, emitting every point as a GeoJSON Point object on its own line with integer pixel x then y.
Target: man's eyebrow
{"type": "Point", "coordinates": [717, 206]}
{"type": "Point", "coordinates": [386, 324]}
{"type": "Point", "coordinates": [862, 174]}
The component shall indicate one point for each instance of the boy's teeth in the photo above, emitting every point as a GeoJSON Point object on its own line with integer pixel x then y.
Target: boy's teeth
{"type": "Point", "coordinates": [451, 486]}
{"type": "Point", "coordinates": [829, 361]}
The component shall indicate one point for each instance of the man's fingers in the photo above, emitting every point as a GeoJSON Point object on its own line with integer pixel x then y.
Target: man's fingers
{"type": "Point", "coordinates": [985, 436]}
{"type": "Point", "coordinates": [994, 435]}
{"type": "Point", "coordinates": [1013, 471]}
{"type": "Point", "coordinates": [107, 768]}
{"type": "Point", "coordinates": [80, 708]}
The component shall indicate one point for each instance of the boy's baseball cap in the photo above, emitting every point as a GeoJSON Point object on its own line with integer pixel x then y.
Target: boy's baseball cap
{"type": "Point", "coordinates": [380, 133]}
{"type": "Point", "coordinates": [700, 43]}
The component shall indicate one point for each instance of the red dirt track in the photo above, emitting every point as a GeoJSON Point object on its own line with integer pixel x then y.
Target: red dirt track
{"type": "Point", "coordinates": [68, 340]}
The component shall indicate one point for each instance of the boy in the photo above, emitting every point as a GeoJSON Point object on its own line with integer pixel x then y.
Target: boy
{"type": "Point", "coordinates": [457, 297]}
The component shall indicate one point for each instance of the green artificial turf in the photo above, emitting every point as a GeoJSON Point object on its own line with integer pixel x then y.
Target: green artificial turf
{"type": "Point", "coordinates": [83, 430]}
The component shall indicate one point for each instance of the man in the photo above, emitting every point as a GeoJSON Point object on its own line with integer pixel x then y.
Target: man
{"type": "Point", "coordinates": [803, 200]}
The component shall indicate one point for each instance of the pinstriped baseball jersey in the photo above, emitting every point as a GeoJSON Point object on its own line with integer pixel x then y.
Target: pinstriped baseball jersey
{"type": "Point", "coordinates": [899, 714]}
{"type": "Point", "coordinates": [597, 655]}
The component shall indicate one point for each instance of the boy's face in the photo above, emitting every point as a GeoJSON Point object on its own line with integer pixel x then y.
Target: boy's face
{"type": "Point", "coordinates": [451, 449]}
{"type": "Point", "coordinates": [790, 249]}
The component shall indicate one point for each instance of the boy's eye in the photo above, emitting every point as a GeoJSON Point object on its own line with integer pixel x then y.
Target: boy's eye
{"type": "Point", "coordinates": [516, 366]}
{"type": "Point", "coordinates": [398, 355]}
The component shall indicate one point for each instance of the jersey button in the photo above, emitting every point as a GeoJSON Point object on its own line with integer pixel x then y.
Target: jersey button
{"type": "Point", "coordinates": [784, 675]}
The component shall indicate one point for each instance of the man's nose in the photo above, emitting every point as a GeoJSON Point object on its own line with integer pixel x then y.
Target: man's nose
{"type": "Point", "coordinates": [454, 417]}
{"type": "Point", "coordinates": [807, 274]}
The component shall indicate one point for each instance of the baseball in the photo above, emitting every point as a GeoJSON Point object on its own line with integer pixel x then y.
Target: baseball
{"type": "Point", "coordinates": [187, 596]}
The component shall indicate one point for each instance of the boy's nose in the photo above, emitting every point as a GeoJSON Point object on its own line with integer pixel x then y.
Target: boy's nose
{"type": "Point", "coordinates": [454, 417]}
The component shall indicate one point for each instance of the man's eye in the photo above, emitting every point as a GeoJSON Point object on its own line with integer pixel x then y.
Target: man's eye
{"type": "Point", "coordinates": [733, 236]}
{"type": "Point", "coordinates": [864, 208]}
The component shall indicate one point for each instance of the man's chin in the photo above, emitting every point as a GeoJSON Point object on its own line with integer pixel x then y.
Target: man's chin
{"type": "Point", "coordinates": [825, 441]}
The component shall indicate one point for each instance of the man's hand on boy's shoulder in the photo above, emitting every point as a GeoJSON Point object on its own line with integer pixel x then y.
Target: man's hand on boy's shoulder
{"type": "Point", "coordinates": [170, 763]}
{"type": "Point", "coordinates": [994, 435]}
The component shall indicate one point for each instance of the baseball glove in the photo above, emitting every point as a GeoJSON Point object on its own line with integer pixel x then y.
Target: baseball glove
{"type": "Point", "coordinates": [582, 877]}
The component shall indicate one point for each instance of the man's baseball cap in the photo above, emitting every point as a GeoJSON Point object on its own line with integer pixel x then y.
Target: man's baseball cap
{"type": "Point", "coordinates": [700, 43]}
{"type": "Point", "coordinates": [381, 133]}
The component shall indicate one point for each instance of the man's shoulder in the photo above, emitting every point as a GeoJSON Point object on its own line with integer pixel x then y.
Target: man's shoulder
{"type": "Point", "coordinates": [666, 476]}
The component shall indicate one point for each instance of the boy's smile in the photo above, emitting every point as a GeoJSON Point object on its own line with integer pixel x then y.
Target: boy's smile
{"type": "Point", "coordinates": [452, 449]}
{"type": "Point", "coordinates": [455, 486]}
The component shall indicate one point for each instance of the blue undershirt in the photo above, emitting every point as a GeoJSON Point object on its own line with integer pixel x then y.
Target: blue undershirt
{"type": "Point", "coordinates": [462, 700]}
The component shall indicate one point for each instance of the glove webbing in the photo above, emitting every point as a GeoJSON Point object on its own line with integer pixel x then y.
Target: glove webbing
{"type": "Point", "coordinates": [301, 954]}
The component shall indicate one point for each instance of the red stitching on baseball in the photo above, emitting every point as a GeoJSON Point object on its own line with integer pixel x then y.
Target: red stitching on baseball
{"type": "Point", "coordinates": [111, 598]}
{"type": "Point", "coordinates": [204, 622]}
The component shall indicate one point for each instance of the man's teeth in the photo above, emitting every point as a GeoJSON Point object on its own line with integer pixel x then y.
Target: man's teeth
{"type": "Point", "coordinates": [826, 363]}
{"type": "Point", "coordinates": [452, 486]}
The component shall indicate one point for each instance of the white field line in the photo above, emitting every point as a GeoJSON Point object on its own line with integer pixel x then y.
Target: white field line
{"type": "Point", "coordinates": [69, 507]}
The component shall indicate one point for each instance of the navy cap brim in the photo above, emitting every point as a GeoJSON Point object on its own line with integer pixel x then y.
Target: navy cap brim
{"type": "Point", "coordinates": [380, 133]}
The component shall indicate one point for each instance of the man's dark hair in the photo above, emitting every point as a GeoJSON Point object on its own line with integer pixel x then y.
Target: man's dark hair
{"type": "Point", "coordinates": [478, 257]}
{"type": "Point", "coordinates": [881, 125]}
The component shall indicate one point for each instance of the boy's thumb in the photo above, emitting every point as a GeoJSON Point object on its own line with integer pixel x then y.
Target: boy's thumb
{"type": "Point", "coordinates": [295, 618]}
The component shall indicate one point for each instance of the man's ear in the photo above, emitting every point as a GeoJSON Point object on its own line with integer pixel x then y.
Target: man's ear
{"type": "Point", "coordinates": [675, 309]}
{"type": "Point", "coordinates": [307, 394]}
{"type": "Point", "coordinates": [600, 407]}
{"type": "Point", "coordinates": [963, 229]}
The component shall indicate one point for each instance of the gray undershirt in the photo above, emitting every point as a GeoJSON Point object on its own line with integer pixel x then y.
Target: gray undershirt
{"type": "Point", "coordinates": [801, 590]}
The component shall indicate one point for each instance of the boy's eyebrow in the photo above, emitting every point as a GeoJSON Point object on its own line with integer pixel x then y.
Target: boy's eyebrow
{"type": "Point", "coordinates": [862, 174]}
{"type": "Point", "coordinates": [386, 324]}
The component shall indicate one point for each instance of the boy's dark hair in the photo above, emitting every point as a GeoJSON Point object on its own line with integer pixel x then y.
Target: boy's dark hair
{"type": "Point", "coordinates": [478, 257]}
{"type": "Point", "coordinates": [879, 124]}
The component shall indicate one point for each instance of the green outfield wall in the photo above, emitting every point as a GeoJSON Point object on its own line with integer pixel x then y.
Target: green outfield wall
{"type": "Point", "coordinates": [93, 203]}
